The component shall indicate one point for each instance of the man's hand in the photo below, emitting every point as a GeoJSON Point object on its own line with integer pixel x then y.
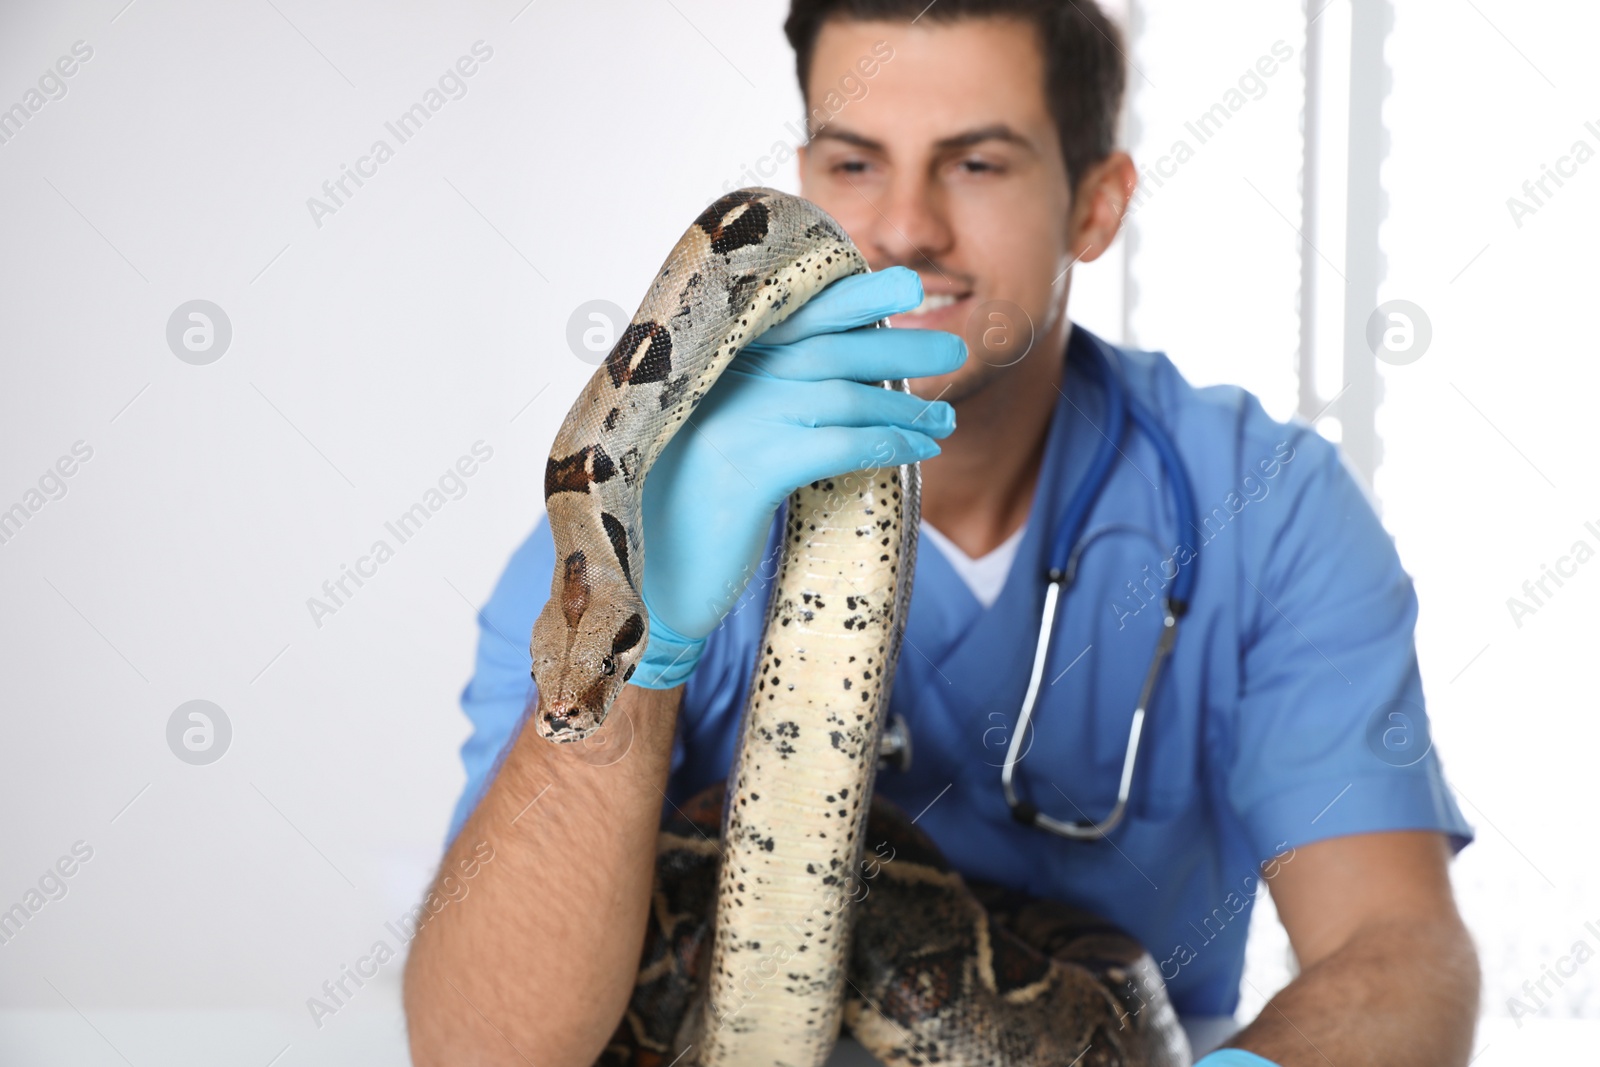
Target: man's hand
{"type": "Point", "coordinates": [792, 408]}
{"type": "Point", "coordinates": [1388, 972]}
{"type": "Point", "coordinates": [1233, 1057]}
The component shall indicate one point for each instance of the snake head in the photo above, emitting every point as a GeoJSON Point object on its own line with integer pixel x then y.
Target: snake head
{"type": "Point", "coordinates": [586, 644]}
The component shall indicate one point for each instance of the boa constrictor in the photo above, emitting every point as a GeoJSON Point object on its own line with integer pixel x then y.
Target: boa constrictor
{"type": "Point", "coordinates": [772, 924]}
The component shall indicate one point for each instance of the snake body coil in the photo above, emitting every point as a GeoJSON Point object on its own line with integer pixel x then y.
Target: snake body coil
{"type": "Point", "coordinates": [759, 946]}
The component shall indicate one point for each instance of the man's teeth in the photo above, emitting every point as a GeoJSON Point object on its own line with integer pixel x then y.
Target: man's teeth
{"type": "Point", "coordinates": [933, 302]}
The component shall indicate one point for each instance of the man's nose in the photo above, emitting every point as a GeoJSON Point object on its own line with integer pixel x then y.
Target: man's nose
{"type": "Point", "coordinates": [908, 226]}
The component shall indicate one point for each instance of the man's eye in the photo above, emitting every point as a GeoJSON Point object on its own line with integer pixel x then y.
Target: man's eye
{"type": "Point", "coordinates": [978, 166]}
{"type": "Point", "coordinates": [851, 166]}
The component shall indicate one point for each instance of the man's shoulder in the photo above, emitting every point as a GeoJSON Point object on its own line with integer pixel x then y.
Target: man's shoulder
{"type": "Point", "coordinates": [1224, 431]}
{"type": "Point", "coordinates": [1220, 410]}
{"type": "Point", "coordinates": [1289, 500]}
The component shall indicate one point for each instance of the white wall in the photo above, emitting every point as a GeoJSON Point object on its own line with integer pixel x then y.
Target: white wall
{"type": "Point", "coordinates": [1491, 467]}
{"type": "Point", "coordinates": [368, 353]}
{"type": "Point", "coordinates": [1489, 461]}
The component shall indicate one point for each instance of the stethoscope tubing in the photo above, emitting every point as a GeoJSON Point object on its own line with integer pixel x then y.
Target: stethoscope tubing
{"type": "Point", "coordinates": [1119, 408]}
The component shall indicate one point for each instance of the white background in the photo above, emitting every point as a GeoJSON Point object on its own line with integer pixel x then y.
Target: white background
{"type": "Point", "coordinates": [430, 313]}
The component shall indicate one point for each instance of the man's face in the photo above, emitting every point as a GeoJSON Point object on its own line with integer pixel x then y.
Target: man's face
{"type": "Point", "coordinates": [950, 164]}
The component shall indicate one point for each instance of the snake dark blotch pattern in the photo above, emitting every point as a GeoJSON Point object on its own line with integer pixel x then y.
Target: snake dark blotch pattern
{"type": "Point", "coordinates": [789, 903]}
{"type": "Point", "coordinates": [941, 971]}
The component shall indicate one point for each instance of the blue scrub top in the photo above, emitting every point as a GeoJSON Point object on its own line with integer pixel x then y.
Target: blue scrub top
{"type": "Point", "coordinates": [1291, 710]}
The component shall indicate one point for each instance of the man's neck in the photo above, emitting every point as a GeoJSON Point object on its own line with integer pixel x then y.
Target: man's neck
{"type": "Point", "coordinates": [979, 489]}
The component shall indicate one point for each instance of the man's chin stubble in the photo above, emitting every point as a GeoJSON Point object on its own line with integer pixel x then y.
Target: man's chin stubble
{"type": "Point", "coordinates": [972, 382]}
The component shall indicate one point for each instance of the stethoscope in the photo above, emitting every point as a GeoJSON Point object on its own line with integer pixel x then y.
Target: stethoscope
{"type": "Point", "coordinates": [1121, 407]}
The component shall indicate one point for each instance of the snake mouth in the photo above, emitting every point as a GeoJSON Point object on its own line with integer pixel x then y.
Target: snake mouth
{"type": "Point", "coordinates": [566, 725]}
{"type": "Point", "coordinates": [566, 719]}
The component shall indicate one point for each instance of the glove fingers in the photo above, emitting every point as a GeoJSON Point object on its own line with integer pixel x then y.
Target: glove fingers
{"type": "Point", "coordinates": [863, 355]}
{"type": "Point", "coordinates": [856, 404]}
{"type": "Point", "coordinates": [858, 300]}
{"type": "Point", "coordinates": [835, 450]}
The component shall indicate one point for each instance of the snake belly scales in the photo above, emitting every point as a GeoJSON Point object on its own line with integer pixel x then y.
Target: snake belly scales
{"type": "Point", "coordinates": [791, 901]}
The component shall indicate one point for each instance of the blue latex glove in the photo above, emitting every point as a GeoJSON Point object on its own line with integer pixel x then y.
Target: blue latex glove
{"type": "Point", "coordinates": [792, 408]}
{"type": "Point", "coordinates": [1233, 1057]}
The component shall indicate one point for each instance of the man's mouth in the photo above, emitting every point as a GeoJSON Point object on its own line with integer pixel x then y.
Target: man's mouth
{"type": "Point", "coordinates": [938, 311]}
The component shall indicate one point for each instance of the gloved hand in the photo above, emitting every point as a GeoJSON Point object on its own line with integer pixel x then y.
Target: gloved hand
{"type": "Point", "coordinates": [1233, 1057]}
{"type": "Point", "coordinates": [793, 407]}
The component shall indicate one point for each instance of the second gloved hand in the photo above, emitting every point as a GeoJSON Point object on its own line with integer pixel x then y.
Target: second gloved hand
{"type": "Point", "coordinates": [792, 408]}
{"type": "Point", "coordinates": [1233, 1057]}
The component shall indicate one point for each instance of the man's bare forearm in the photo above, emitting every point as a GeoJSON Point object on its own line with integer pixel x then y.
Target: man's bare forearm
{"type": "Point", "coordinates": [536, 964]}
{"type": "Point", "coordinates": [1400, 994]}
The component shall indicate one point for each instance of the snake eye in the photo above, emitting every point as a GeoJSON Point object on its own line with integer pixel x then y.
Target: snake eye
{"type": "Point", "coordinates": [608, 666]}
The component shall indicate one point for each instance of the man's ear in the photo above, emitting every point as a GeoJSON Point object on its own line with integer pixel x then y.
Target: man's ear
{"type": "Point", "coordinates": [1102, 198]}
{"type": "Point", "coordinates": [800, 156]}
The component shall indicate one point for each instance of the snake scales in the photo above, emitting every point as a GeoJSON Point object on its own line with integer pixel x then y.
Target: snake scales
{"type": "Point", "coordinates": [772, 921]}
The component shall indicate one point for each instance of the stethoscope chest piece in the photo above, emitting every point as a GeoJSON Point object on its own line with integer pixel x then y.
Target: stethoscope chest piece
{"type": "Point", "coordinates": [894, 747]}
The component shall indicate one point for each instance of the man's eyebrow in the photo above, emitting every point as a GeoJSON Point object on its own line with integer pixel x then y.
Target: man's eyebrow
{"type": "Point", "coordinates": [848, 138]}
{"type": "Point", "coordinates": [997, 132]}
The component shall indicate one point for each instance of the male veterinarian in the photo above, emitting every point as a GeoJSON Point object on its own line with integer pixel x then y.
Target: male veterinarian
{"type": "Point", "coordinates": [980, 166]}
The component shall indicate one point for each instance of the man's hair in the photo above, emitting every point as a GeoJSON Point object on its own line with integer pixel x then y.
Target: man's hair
{"type": "Point", "coordinates": [1085, 72]}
